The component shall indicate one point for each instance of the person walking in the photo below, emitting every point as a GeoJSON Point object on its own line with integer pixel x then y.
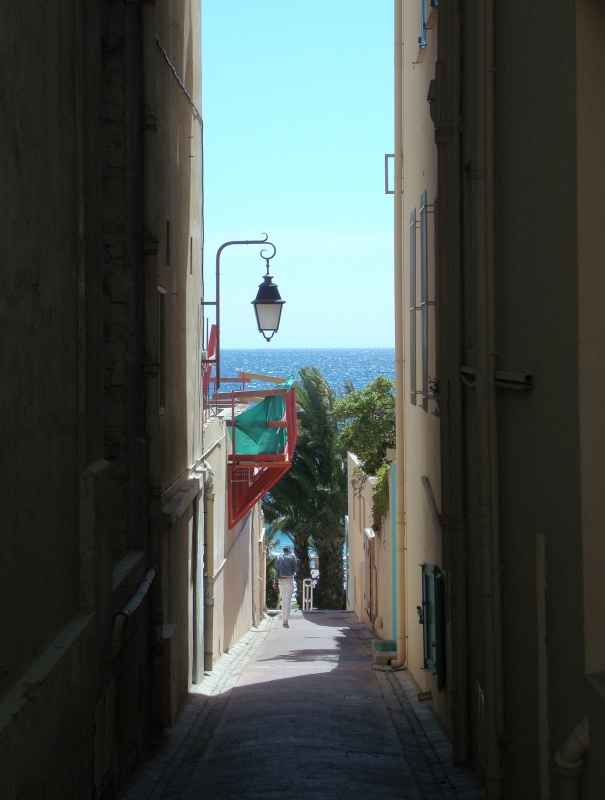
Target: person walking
{"type": "Point", "coordinates": [286, 565]}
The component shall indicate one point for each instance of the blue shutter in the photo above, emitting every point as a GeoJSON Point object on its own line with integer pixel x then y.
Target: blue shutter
{"type": "Point", "coordinates": [422, 37]}
{"type": "Point", "coordinates": [433, 620]}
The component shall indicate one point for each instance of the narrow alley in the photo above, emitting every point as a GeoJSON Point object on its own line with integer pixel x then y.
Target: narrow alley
{"type": "Point", "coordinates": [303, 713]}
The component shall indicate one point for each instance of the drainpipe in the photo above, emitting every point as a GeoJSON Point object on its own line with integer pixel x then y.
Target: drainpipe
{"type": "Point", "coordinates": [122, 617]}
{"type": "Point", "coordinates": [195, 592]}
{"type": "Point", "coordinates": [399, 347]}
{"type": "Point", "coordinates": [489, 524]}
{"type": "Point", "coordinates": [570, 760]}
{"type": "Point", "coordinates": [263, 574]}
{"type": "Point", "coordinates": [208, 571]}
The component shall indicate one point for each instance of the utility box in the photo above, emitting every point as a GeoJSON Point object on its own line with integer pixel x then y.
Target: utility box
{"type": "Point", "coordinates": [384, 650]}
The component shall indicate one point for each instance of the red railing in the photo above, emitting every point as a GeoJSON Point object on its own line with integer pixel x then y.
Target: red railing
{"type": "Point", "coordinates": [250, 477]}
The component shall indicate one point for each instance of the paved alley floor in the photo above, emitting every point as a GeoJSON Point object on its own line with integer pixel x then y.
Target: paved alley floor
{"type": "Point", "coordinates": [303, 714]}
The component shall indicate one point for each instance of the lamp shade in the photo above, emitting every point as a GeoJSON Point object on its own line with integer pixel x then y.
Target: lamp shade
{"type": "Point", "coordinates": [267, 306]}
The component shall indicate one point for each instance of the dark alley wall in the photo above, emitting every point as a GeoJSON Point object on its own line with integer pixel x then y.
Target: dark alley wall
{"type": "Point", "coordinates": [518, 100]}
{"type": "Point", "coordinates": [87, 464]}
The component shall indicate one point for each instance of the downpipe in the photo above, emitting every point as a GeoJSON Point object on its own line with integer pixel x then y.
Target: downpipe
{"type": "Point", "coordinates": [209, 572]}
{"type": "Point", "coordinates": [122, 617]}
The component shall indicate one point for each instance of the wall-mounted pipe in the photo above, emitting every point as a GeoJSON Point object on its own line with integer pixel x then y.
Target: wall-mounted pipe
{"type": "Point", "coordinates": [121, 618]}
{"type": "Point", "coordinates": [399, 346]}
{"type": "Point", "coordinates": [570, 760]}
{"type": "Point", "coordinates": [209, 572]}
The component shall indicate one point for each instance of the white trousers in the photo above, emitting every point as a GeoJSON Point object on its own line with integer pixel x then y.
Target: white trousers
{"type": "Point", "coordinates": [286, 589]}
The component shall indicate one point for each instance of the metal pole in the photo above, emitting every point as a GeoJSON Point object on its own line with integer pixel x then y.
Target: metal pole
{"type": "Point", "coordinates": [217, 302]}
{"type": "Point", "coordinates": [307, 594]}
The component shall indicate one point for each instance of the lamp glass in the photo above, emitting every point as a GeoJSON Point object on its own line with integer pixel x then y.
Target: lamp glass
{"type": "Point", "coordinates": [268, 315]}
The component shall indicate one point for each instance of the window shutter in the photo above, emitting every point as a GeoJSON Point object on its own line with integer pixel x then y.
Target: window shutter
{"type": "Point", "coordinates": [424, 299]}
{"type": "Point", "coordinates": [413, 307]}
{"type": "Point", "coordinates": [422, 37]}
{"type": "Point", "coordinates": [433, 619]}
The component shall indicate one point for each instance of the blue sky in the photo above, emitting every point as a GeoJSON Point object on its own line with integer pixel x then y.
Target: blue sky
{"type": "Point", "coordinates": [298, 114]}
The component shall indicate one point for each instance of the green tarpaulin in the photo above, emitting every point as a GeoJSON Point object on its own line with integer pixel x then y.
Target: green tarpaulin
{"type": "Point", "coordinates": [252, 437]}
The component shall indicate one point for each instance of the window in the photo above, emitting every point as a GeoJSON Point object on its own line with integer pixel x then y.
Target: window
{"type": "Point", "coordinates": [413, 308]}
{"type": "Point", "coordinates": [425, 307]}
{"type": "Point", "coordinates": [432, 617]}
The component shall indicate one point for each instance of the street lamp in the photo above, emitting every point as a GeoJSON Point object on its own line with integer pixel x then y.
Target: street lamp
{"type": "Point", "coordinates": [267, 305]}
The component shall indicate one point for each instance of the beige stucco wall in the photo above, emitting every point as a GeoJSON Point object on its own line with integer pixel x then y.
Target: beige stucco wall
{"type": "Point", "coordinates": [235, 559]}
{"type": "Point", "coordinates": [179, 260]}
{"type": "Point", "coordinates": [359, 518]}
{"type": "Point", "coordinates": [384, 552]}
{"type": "Point", "coordinates": [175, 427]}
{"type": "Point", "coordinates": [423, 544]}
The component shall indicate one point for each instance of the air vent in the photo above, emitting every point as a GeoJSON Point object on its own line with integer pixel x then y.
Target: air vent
{"type": "Point", "coordinates": [363, 697]}
{"type": "Point", "coordinates": [374, 756]}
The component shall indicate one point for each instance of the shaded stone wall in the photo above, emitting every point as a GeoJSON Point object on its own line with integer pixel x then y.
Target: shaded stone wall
{"type": "Point", "coordinates": [75, 323]}
{"type": "Point", "coordinates": [123, 314]}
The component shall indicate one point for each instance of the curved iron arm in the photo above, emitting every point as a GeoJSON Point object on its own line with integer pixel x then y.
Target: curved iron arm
{"type": "Point", "coordinates": [218, 293]}
{"type": "Point", "coordinates": [268, 258]}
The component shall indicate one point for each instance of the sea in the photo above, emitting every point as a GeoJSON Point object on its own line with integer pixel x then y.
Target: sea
{"type": "Point", "coordinates": [359, 365]}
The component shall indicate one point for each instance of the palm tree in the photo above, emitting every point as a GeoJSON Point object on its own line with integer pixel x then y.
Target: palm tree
{"type": "Point", "coordinates": [313, 494]}
{"type": "Point", "coordinates": [286, 504]}
{"type": "Point", "coordinates": [271, 542]}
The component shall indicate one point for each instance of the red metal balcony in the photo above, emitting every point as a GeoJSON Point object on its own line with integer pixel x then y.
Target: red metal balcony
{"type": "Point", "coordinates": [250, 475]}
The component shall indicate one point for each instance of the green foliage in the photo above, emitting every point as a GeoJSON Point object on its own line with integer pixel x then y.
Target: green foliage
{"type": "Point", "coordinates": [358, 481]}
{"type": "Point", "coordinates": [312, 496]}
{"type": "Point", "coordinates": [271, 542]}
{"type": "Point", "coordinates": [367, 419]}
{"type": "Point", "coordinates": [272, 594]}
{"type": "Point", "coordinates": [380, 496]}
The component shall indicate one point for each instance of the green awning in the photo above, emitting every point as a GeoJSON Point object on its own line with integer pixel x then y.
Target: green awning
{"type": "Point", "coordinates": [252, 437]}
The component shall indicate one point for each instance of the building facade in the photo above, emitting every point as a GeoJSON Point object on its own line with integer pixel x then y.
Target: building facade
{"type": "Point", "coordinates": [515, 99]}
{"type": "Point", "coordinates": [370, 557]}
{"type": "Point", "coordinates": [101, 323]}
{"type": "Point", "coordinates": [422, 639]}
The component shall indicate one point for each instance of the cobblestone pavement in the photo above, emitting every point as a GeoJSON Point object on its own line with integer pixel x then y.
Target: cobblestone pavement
{"type": "Point", "coordinates": [304, 713]}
